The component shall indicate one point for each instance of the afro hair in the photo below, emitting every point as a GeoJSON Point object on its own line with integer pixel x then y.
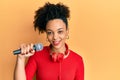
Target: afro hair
{"type": "Point", "coordinates": [49, 12]}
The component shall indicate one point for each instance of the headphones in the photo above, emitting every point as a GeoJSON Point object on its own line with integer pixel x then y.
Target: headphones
{"type": "Point", "coordinates": [58, 57]}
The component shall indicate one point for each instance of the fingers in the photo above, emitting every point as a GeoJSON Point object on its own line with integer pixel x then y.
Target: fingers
{"type": "Point", "coordinates": [23, 48]}
{"type": "Point", "coordinates": [27, 50]}
{"type": "Point", "coordinates": [31, 48]}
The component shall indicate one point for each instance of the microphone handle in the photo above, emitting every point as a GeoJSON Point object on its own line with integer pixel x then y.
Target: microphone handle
{"type": "Point", "coordinates": [19, 51]}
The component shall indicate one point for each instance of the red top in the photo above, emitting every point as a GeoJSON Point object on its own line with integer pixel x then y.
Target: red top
{"type": "Point", "coordinates": [71, 68]}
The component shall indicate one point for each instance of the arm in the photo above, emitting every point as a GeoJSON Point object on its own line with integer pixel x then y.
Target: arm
{"type": "Point", "coordinates": [80, 71]}
{"type": "Point", "coordinates": [19, 72]}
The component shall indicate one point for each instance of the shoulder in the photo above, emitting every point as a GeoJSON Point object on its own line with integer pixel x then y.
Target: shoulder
{"type": "Point", "coordinates": [76, 56]}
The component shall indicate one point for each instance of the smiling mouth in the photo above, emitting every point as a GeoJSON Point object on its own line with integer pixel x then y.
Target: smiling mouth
{"type": "Point", "coordinates": [56, 43]}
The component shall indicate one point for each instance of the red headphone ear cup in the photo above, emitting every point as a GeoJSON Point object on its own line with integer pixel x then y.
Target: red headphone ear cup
{"type": "Point", "coordinates": [60, 57]}
{"type": "Point", "coordinates": [57, 58]}
{"type": "Point", "coordinates": [54, 57]}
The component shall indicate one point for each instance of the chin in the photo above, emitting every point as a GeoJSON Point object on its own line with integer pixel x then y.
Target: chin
{"type": "Point", "coordinates": [58, 46]}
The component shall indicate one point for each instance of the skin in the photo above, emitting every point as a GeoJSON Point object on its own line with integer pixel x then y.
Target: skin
{"type": "Point", "coordinates": [56, 34]}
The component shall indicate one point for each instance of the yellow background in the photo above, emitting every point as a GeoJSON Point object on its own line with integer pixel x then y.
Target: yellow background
{"type": "Point", "coordinates": [94, 34]}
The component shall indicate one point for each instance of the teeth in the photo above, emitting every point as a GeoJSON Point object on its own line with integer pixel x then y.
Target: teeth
{"type": "Point", "coordinates": [56, 42]}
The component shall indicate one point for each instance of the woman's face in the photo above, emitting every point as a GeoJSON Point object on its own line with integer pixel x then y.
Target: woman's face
{"type": "Point", "coordinates": [56, 33]}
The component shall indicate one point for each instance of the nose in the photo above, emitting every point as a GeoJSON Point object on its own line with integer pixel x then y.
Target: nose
{"type": "Point", "coordinates": [55, 36]}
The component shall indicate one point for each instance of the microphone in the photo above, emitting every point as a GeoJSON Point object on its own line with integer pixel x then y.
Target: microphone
{"type": "Point", "coordinates": [36, 47]}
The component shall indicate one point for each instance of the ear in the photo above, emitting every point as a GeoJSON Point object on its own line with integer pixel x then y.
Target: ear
{"type": "Point", "coordinates": [67, 31]}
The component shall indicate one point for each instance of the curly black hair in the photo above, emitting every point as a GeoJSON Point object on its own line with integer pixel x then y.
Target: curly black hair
{"type": "Point", "coordinates": [49, 12]}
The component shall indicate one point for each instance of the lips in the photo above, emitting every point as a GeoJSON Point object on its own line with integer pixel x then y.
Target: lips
{"type": "Point", "coordinates": [56, 43]}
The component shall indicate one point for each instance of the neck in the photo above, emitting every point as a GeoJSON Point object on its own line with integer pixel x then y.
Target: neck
{"type": "Point", "coordinates": [59, 50]}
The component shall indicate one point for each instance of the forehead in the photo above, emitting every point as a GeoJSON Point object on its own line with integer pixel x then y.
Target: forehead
{"type": "Point", "coordinates": [55, 24]}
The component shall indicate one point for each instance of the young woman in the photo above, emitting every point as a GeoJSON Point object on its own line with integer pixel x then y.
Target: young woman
{"type": "Point", "coordinates": [56, 61]}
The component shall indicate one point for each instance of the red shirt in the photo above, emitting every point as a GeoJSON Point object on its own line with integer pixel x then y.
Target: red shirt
{"type": "Point", "coordinates": [71, 68]}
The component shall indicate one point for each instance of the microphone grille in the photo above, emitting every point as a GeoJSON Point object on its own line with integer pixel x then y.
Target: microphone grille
{"type": "Point", "coordinates": [38, 47]}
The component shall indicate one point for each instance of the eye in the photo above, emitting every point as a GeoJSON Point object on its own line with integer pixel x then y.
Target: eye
{"type": "Point", "coordinates": [60, 32]}
{"type": "Point", "coordinates": [49, 33]}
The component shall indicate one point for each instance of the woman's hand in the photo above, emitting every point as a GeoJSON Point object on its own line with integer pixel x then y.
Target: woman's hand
{"type": "Point", "coordinates": [26, 51]}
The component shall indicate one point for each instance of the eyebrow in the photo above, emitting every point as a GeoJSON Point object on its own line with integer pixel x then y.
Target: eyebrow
{"type": "Point", "coordinates": [60, 28]}
{"type": "Point", "coordinates": [57, 29]}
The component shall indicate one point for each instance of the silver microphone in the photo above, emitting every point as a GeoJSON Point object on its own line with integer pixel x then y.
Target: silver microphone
{"type": "Point", "coordinates": [36, 47]}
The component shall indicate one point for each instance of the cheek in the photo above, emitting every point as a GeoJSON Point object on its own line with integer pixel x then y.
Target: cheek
{"type": "Point", "coordinates": [64, 36]}
{"type": "Point", "coordinates": [50, 38]}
